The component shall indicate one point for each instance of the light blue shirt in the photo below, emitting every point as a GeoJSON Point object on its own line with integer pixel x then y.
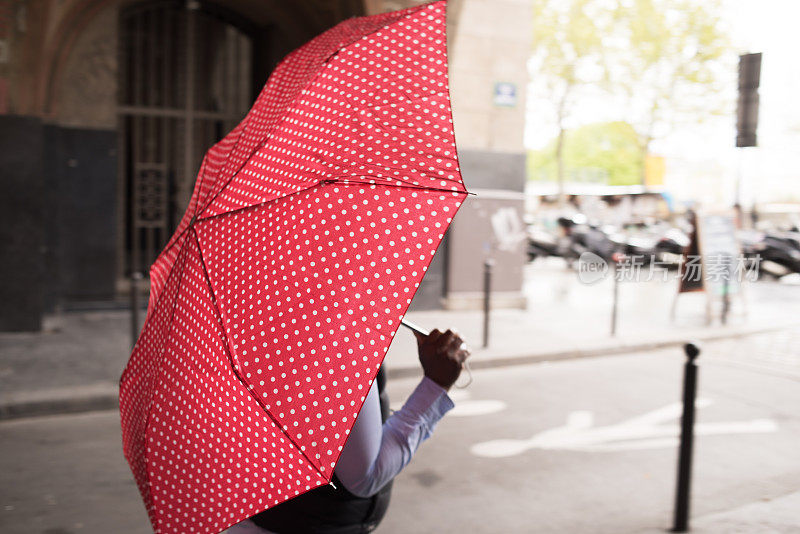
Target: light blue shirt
{"type": "Point", "coordinates": [376, 452]}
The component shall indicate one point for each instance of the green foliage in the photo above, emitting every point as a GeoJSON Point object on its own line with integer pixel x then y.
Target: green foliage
{"type": "Point", "coordinates": [665, 57]}
{"type": "Point", "coordinates": [670, 64]}
{"type": "Point", "coordinates": [568, 47]}
{"type": "Point", "coordinates": [604, 152]}
{"type": "Point", "coordinates": [568, 53]}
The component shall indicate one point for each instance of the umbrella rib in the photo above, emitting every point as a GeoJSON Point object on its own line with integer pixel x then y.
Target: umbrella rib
{"type": "Point", "coordinates": [169, 334]}
{"type": "Point", "coordinates": [155, 305]}
{"type": "Point", "coordinates": [229, 352]}
{"type": "Point", "coordinates": [268, 135]}
{"type": "Point", "coordinates": [202, 176]}
{"type": "Point", "coordinates": [246, 121]}
{"type": "Point", "coordinates": [335, 181]}
{"type": "Point", "coordinates": [347, 181]}
{"type": "Point", "coordinates": [126, 371]}
{"type": "Point", "coordinates": [243, 208]}
{"type": "Point", "coordinates": [401, 170]}
{"type": "Point", "coordinates": [172, 243]}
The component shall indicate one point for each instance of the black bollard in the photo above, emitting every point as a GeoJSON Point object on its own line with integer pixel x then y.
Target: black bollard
{"type": "Point", "coordinates": [615, 259]}
{"type": "Point", "coordinates": [487, 290]}
{"type": "Point", "coordinates": [687, 438]}
{"type": "Point", "coordinates": [726, 300]}
{"type": "Point", "coordinates": [135, 279]}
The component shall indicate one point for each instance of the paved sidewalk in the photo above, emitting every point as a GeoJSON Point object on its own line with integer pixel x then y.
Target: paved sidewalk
{"type": "Point", "coordinates": [74, 365]}
{"type": "Point", "coordinates": [775, 516]}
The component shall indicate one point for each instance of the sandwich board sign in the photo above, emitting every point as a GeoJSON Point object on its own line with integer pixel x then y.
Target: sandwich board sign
{"type": "Point", "coordinates": [719, 254]}
{"type": "Point", "coordinates": [712, 261]}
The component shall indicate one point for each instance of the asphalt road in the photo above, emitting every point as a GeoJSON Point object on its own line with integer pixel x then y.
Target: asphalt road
{"type": "Point", "coordinates": [490, 467]}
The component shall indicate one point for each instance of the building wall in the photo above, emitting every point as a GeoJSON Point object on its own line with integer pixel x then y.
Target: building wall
{"type": "Point", "coordinates": [86, 95]}
{"type": "Point", "coordinates": [82, 151]}
{"type": "Point", "coordinates": [491, 45]}
{"type": "Point", "coordinates": [58, 86]}
{"type": "Point", "coordinates": [57, 92]}
{"type": "Point", "coordinates": [61, 215]}
{"type": "Point", "coordinates": [61, 76]}
{"type": "Point", "coordinates": [489, 42]}
{"type": "Point", "coordinates": [488, 228]}
{"type": "Point", "coordinates": [22, 233]}
{"type": "Point", "coordinates": [80, 175]}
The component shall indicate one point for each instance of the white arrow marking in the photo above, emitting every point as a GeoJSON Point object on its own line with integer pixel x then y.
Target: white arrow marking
{"type": "Point", "coordinates": [637, 433]}
{"type": "Point", "coordinates": [476, 407]}
{"type": "Point", "coordinates": [464, 407]}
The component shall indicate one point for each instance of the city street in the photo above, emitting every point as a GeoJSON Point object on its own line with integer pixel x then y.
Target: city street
{"type": "Point", "coordinates": [84, 353]}
{"type": "Point", "coordinates": [222, 219]}
{"type": "Point", "coordinates": [495, 464]}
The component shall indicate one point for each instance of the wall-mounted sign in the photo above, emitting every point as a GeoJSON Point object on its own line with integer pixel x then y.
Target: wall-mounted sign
{"type": "Point", "coordinates": [505, 94]}
{"type": "Point", "coordinates": [507, 227]}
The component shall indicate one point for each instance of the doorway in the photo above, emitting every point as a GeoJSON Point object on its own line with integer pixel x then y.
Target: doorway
{"type": "Point", "coordinates": [186, 79]}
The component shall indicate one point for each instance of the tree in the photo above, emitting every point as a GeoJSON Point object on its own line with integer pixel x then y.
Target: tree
{"type": "Point", "coordinates": [608, 150]}
{"type": "Point", "coordinates": [668, 63]}
{"type": "Point", "coordinates": [665, 58]}
{"type": "Point", "coordinates": [567, 54]}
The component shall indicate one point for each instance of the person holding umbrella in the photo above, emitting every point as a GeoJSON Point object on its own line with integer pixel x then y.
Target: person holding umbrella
{"type": "Point", "coordinates": [273, 305]}
{"type": "Point", "coordinates": [377, 449]}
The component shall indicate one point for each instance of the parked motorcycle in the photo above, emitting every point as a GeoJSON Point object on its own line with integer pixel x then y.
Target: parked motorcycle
{"type": "Point", "coordinates": [659, 242]}
{"type": "Point", "coordinates": [541, 243]}
{"type": "Point", "coordinates": [775, 253]}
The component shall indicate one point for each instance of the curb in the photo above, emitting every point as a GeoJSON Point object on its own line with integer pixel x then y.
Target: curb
{"type": "Point", "coordinates": [574, 354]}
{"type": "Point", "coordinates": [105, 396]}
{"type": "Point", "coordinates": [60, 401]}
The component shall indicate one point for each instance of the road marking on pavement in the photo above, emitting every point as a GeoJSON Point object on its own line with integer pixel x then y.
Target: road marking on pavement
{"type": "Point", "coordinates": [477, 407]}
{"type": "Point", "coordinates": [464, 407]}
{"type": "Point", "coordinates": [638, 433]}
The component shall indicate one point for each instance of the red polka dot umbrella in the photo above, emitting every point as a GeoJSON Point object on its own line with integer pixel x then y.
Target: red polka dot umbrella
{"type": "Point", "coordinates": [271, 308]}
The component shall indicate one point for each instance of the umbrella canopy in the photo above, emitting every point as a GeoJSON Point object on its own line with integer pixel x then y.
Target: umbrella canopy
{"type": "Point", "coordinates": [272, 307]}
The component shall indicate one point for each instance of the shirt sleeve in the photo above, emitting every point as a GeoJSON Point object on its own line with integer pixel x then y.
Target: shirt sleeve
{"type": "Point", "coordinates": [374, 454]}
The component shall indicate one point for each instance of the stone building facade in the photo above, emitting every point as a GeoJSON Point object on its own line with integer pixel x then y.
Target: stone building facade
{"type": "Point", "coordinates": [106, 107]}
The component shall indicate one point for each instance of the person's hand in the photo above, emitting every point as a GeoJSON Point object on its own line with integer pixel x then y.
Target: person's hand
{"type": "Point", "coordinates": [442, 356]}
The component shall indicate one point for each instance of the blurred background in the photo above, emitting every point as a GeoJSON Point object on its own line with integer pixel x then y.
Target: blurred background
{"type": "Point", "coordinates": [623, 137]}
{"type": "Point", "coordinates": [622, 112]}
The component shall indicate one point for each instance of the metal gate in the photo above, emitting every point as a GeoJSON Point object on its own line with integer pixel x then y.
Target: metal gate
{"type": "Point", "coordinates": [185, 81]}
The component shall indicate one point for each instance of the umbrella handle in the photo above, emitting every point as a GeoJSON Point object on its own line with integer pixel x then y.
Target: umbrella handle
{"type": "Point", "coordinates": [413, 327]}
{"type": "Point", "coordinates": [419, 330]}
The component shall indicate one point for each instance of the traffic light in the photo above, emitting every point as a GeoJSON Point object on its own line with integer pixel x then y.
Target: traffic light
{"type": "Point", "coordinates": [747, 109]}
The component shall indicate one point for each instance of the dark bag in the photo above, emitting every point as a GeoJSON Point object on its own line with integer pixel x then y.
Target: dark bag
{"type": "Point", "coordinates": [325, 510]}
